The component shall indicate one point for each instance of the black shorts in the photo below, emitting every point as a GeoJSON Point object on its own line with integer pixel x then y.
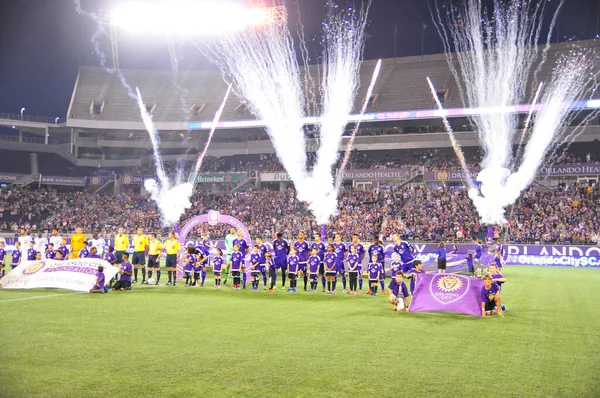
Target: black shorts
{"type": "Point", "coordinates": [490, 305]}
{"type": "Point", "coordinates": [13, 266]}
{"type": "Point", "coordinates": [153, 261]}
{"type": "Point", "coordinates": [330, 273]}
{"type": "Point", "coordinates": [235, 273]}
{"type": "Point", "coordinates": [442, 263]}
{"type": "Point", "coordinates": [171, 260]}
{"type": "Point", "coordinates": [217, 273]}
{"type": "Point", "coordinates": [119, 255]}
{"type": "Point", "coordinates": [122, 285]}
{"type": "Point", "coordinates": [255, 273]}
{"type": "Point", "coordinates": [139, 258]}
{"type": "Point", "coordinates": [313, 277]}
{"type": "Point", "coordinates": [291, 276]}
{"type": "Point", "coordinates": [272, 273]}
{"type": "Point", "coordinates": [322, 269]}
{"type": "Point", "coordinates": [353, 274]}
{"type": "Point", "coordinates": [471, 269]}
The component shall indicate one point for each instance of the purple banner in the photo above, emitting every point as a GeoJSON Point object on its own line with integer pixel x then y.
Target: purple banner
{"type": "Point", "coordinates": [572, 170]}
{"type": "Point", "coordinates": [375, 174]}
{"type": "Point", "coordinates": [447, 292]}
{"type": "Point", "coordinates": [10, 177]}
{"type": "Point", "coordinates": [63, 180]}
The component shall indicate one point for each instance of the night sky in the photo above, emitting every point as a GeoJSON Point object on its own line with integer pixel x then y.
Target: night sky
{"type": "Point", "coordinates": [44, 42]}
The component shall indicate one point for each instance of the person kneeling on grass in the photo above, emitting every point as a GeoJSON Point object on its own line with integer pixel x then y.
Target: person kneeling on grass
{"type": "Point", "coordinates": [99, 286]}
{"type": "Point", "coordinates": [398, 293]}
{"type": "Point", "coordinates": [126, 271]}
{"type": "Point", "coordinates": [491, 301]}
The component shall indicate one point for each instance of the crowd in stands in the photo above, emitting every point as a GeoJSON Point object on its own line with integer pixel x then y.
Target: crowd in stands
{"type": "Point", "coordinates": [416, 212]}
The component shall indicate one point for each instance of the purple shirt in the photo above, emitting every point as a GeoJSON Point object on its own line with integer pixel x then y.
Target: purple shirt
{"type": "Point", "coordinates": [16, 256]}
{"type": "Point", "coordinates": [293, 262]}
{"type": "Point", "coordinates": [262, 250]}
{"type": "Point", "coordinates": [2, 254]}
{"type": "Point", "coordinates": [189, 262]}
{"type": "Point", "coordinates": [360, 250]}
{"type": "Point", "coordinates": [340, 251]}
{"type": "Point", "coordinates": [353, 259]}
{"type": "Point", "coordinates": [302, 250]}
{"type": "Point", "coordinates": [255, 260]}
{"type": "Point", "coordinates": [329, 261]}
{"type": "Point", "coordinates": [470, 261]}
{"type": "Point", "coordinates": [498, 262]}
{"type": "Point", "coordinates": [405, 250]}
{"type": "Point", "coordinates": [281, 247]}
{"type": "Point", "coordinates": [94, 256]}
{"type": "Point", "coordinates": [396, 266]}
{"type": "Point", "coordinates": [30, 254]}
{"type": "Point", "coordinates": [217, 264]}
{"type": "Point", "coordinates": [99, 281]}
{"type": "Point", "coordinates": [478, 251]}
{"type": "Point", "coordinates": [84, 253]}
{"type": "Point", "coordinates": [313, 264]}
{"type": "Point", "coordinates": [487, 292]}
{"type": "Point", "coordinates": [320, 249]}
{"type": "Point", "coordinates": [65, 252]}
{"type": "Point", "coordinates": [374, 269]}
{"type": "Point", "coordinates": [111, 258]}
{"type": "Point", "coordinates": [236, 261]}
{"type": "Point", "coordinates": [242, 244]}
{"type": "Point", "coordinates": [50, 254]}
{"type": "Point", "coordinates": [441, 253]}
{"type": "Point", "coordinates": [126, 267]}
{"type": "Point", "coordinates": [397, 288]}
{"type": "Point", "coordinates": [378, 251]}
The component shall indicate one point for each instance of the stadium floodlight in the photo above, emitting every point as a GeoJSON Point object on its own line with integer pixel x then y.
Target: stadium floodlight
{"type": "Point", "coordinates": [56, 120]}
{"type": "Point", "coordinates": [22, 110]}
{"type": "Point", "coordinates": [191, 18]}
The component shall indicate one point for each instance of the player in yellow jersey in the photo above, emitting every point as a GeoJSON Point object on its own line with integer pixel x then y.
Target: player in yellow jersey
{"type": "Point", "coordinates": [172, 248]}
{"type": "Point", "coordinates": [121, 245]}
{"type": "Point", "coordinates": [78, 242]}
{"type": "Point", "coordinates": [153, 260]}
{"type": "Point", "coordinates": [140, 249]}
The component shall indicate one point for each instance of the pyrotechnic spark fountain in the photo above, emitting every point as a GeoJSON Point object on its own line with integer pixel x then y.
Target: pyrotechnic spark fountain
{"type": "Point", "coordinates": [263, 66]}
{"type": "Point", "coordinates": [363, 109]}
{"type": "Point", "coordinates": [495, 59]}
{"type": "Point", "coordinates": [527, 123]}
{"type": "Point", "coordinates": [344, 42]}
{"type": "Point", "coordinates": [455, 144]}
{"type": "Point", "coordinates": [194, 174]}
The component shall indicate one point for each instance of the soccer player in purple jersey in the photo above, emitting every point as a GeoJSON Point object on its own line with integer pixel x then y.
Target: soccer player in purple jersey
{"type": "Point", "coordinates": [31, 251]}
{"type": "Point", "coordinates": [477, 258]}
{"type": "Point", "coordinates": [360, 250]}
{"type": "Point", "coordinates": [16, 256]}
{"type": "Point", "coordinates": [237, 259]}
{"type": "Point", "coordinates": [497, 277]}
{"type": "Point", "coordinates": [188, 268]}
{"type": "Point", "coordinates": [376, 249]}
{"type": "Point", "coordinates": [112, 259]}
{"type": "Point", "coordinates": [99, 285]}
{"type": "Point", "coordinates": [282, 249]}
{"type": "Point", "coordinates": [2, 259]}
{"type": "Point", "coordinates": [374, 271]}
{"type": "Point", "coordinates": [396, 264]}
{"type": "Point", "coordinates": [406, 252]}
{"type": "Point", "coordinates": [126, 272]}
{"type": "Point", "coordinates": [84, 253]}
{"type": "Point", "coordinates": [413, 274]}
{"type": "Point", "coordinates": [470, 264]}
{"type": "Point", "coordinates": [398, 292]}
{"type": "Point", "coordinates": [255, 266]}
{"type": "Point", "coordinates": [200, 264]}
{"type": "Point", "coordinates": [50, 254]}
{"type": "Point", "coordinates": [302, 248]}
{"type": "Point", "coordinates": [320, 246]}
{"type": "Point", "coordinates": [353, 261]}
{"type": "Point", "coordinates": [491, 301]}
{"type": "Point", "coordinates": [314, 263]}
{"type": "Point", "coordinates": [262, 260]}
{"type": "Point", "coordinates": [244, 250]}
{"type": "Point", "coordinates": [498, 259]}
{"type": "Point", "coordinates": [217, 265]}
{"type": "Point", "coordinates": [341, 253]}
{"type": "Point", "coordinates": [293, 268]}
{"type": "Point", "coordinates": [330, 261]}
{"type": "Point", "coordinates": [63, 249]}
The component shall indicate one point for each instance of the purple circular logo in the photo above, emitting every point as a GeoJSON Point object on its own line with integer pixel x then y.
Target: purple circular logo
{"type": "Point", "coordinates": [213, 217]}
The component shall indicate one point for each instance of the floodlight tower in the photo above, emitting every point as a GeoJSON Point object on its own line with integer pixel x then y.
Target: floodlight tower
{"type": "Point", "coordinates": [111, 31]}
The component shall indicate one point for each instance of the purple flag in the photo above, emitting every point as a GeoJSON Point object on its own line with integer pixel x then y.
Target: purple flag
{"type": "Point", "coordinates": [447, 292]}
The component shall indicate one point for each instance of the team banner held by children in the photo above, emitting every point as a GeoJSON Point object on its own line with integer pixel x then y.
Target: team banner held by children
{"type": "Point", "coordinates": [80, 274]}
{"type": "Point", "coordinates": [447, 292]}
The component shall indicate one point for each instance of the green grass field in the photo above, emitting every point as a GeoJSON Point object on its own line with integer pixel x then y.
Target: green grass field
{"type": "Point", "coordinates": [175, 342]}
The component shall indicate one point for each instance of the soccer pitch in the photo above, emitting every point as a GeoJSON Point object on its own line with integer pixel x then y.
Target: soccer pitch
{"type": "Point", "coordinates": [162, 341]}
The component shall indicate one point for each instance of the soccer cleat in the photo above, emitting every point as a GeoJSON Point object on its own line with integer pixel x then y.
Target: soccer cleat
{"type": "Point", "coordinates": [383, 292]}
{"type": "Point", "coordinates": [360, 292]}
{"type": "Point", "coordinates": [503, 307]}
{"type": "Point", "coordinates": [345, 291]}
{"type": "Point", "coordinates": [169, 283]}
{"type": "Point", "coordinates": [144, 282]}
{"type": "Point", "coordinates": [289, 290]}
{"type": "Point", "coordinates": [134, 281]}
{"type": "Point", "coordinates": [370, 291]}
{"type": "Point", "coordinates": [270, 290]}
{"type": "Point", "coordinates": [156, 284]}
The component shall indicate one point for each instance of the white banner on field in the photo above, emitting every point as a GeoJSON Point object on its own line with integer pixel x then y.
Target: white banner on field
{"type": "Point", "coordinates": [78, 274]}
